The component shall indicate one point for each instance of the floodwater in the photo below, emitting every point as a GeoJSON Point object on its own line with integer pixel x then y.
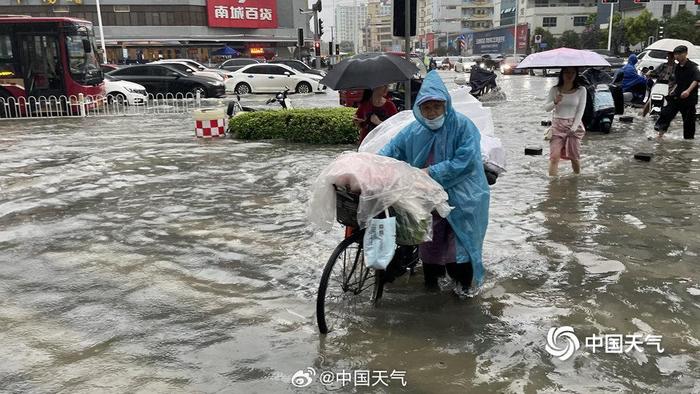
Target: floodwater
{"type": "Point", "coordinates": [136, 258]}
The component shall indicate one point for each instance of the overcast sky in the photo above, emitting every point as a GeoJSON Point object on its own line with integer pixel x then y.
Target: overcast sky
{"type": "Point", "coordinates": [328, 14]}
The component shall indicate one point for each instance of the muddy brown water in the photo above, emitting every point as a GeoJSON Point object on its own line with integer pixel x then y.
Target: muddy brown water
{"type": "Point", "coordinates": [135, 258]}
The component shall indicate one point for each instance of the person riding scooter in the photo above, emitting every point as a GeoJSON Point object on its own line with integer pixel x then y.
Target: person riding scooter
{"type": "Point", "coordinates": [632, 82]}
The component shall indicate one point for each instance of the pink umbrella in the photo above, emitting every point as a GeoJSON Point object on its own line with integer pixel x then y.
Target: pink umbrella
{"type": "Point", "coordinates": [564, 57]}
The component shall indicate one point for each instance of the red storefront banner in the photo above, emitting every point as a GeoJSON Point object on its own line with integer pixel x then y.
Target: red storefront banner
{"type": "Point", "coordinates": [523, 35]}
{"type": "Point", "coordinates": [242, 14]}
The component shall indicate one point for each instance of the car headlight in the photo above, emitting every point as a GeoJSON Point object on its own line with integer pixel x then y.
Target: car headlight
{"type": "Point", "coordinates": [133, 90]}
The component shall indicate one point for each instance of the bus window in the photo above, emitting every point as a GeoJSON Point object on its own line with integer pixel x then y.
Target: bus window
{"type": "Point", "coordinates": [41, 64]}
{"type": "Point", "coordinates": [7, 66]}
{"type": "Point", "coordinates": [82, 65]}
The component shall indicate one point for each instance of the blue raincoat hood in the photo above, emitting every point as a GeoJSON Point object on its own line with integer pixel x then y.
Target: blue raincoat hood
{"type": "Point", "coordinates": [433, 87]}
{"type": "Point", "coordinates": [630, 76]}
{"type": "Point", "coordinates": [456, 165]}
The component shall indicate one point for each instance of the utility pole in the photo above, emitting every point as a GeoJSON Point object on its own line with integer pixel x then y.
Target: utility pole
{"type": "Point", "coordinates": [102, 33]}
{"type": "Point", "coordinates": [515, 31]}
{"type": "Point", "coordinates": [356, 16]}
{"type": "Point", "coordinates": [610, 25]}
{"type": "Point", "coordinates": [317, 37]}
{"type": "Point", "coordinates": [407, 8]}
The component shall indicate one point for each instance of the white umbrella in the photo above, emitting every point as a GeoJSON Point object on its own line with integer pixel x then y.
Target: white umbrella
{"type": "Point", "coordinates": [564, 57]}
{"type": "Point", "coordinates": [669, 44]}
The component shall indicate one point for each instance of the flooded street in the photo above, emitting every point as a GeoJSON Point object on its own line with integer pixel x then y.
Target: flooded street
{"type": "Point", "coordinates": [136, 258]}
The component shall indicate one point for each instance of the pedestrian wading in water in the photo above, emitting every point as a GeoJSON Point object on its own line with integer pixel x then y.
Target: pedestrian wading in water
{"type": "Point", "coordinates": [446, 145]}
{"type": "Point", "coordinates": [568, 101]}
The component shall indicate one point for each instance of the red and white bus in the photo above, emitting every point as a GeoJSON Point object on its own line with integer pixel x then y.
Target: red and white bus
{"type": "Point", "coordinates": [45, 57]}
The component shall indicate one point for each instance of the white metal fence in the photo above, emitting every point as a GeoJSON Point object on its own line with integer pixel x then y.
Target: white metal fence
{"type": "Point", "coordinates": [96, 106]}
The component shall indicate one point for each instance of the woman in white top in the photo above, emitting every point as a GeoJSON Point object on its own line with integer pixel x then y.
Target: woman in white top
{"type": "Point", "coordinates": [568, 100]}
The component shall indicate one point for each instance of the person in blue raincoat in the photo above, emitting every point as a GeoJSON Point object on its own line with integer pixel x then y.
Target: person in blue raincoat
{"type": "Point", "coordinates": [446, 145]}
{"type": "Point", "coordinates": [631, 80]}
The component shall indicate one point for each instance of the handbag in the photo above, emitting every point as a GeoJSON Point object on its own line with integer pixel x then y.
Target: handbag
{"type": "Point", "coordinates": [380, 242]}
{"type": "Point", "coordinates": [548, 133]}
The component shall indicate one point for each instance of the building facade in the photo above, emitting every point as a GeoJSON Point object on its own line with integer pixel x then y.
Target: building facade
{"type": "Point", "coordinates": [350, 22]}
{"type": "Point", "coordinates": [183, 28]}
{"type": "Point", "coordinates": [557, 16]}
{"type": "Point", "coordinates": [660, 9]}
{"type": "Point", "coordinates": [504, 13]}
{"type": "Point", "coordinates": [379, 27]}
{"type": "Point", "coordinates": [476, 15]}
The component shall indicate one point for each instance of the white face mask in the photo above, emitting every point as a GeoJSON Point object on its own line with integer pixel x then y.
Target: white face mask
{"type": "Point", "coordinates": [436, 123]}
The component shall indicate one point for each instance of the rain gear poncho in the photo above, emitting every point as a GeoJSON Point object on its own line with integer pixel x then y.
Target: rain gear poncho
{"type": "Point", "coordinates": [630, 76]}
{"type": "Point", "coordinates": [458, 169]}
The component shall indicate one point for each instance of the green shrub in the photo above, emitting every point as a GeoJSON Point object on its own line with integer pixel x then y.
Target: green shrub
{"type": "Point", "coordinates": [313, 126]}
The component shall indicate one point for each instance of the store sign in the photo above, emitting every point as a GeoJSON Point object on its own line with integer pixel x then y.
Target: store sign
{"type": "Point", "coordinates": [54, 2]}
{"type": "Point", "coordinates": [242, 14]}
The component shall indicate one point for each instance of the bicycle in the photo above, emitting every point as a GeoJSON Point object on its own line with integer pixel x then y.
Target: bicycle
{"type": "Point", "coordinates": [346, 282]}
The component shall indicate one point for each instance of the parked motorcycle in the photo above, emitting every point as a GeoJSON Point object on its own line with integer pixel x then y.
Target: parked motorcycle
{"type": "Point", "coordinates": [282, 99]}
{"type": "Point", "coordinates": [235, 107]}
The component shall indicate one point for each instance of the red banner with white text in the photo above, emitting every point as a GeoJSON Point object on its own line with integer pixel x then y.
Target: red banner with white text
{"type": "Point", "coordinates": [242, 14]}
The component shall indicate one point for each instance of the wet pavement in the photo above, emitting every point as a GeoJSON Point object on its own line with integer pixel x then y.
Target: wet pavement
{"type": "Point", "coordinates": [136, 258]}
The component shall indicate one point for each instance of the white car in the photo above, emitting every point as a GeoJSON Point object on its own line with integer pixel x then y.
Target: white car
{"type": "Point", "coordinates": [189, 69]}
{"type": "Point", "coordinates": [273, 78]}
{"type": "Point", "coordinates": [199, 66]}
{"type": "Point", "coordinates": [124, 91]}
{"type": "Point", "coordinates": [655, 57]}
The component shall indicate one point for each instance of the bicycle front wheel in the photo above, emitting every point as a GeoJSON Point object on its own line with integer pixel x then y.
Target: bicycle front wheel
{"type": "Point", "coordinates": [346, 285]}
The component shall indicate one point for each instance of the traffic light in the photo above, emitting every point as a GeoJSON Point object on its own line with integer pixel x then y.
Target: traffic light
{"type": "Point", "coordinates": [697, 2]}
{"type": "Point", "coordinates": [661, 30]}
{"type": "Point", "coordinates": [400, 18]}
{"type": "Point", "coordinates": [320, 27]}
{"type": "Point", "coordinates": [317, 47]}
{"type": "Point", "coordinates": [330, 48]}
{"type": "Point", "coordinates": [300, 38]}
{"type": "Point", "coordinates": [337, 47]}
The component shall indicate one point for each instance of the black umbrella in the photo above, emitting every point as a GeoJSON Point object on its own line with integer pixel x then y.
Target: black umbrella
{"type": "Point", "coordinates": [369, 72]}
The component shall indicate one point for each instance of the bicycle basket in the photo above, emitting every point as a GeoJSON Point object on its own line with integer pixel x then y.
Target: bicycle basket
{"type": "Point", "coordinates": [346, 204]}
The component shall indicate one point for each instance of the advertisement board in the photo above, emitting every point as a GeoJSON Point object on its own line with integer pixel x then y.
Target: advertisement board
{"type": "Point", "coordinates": [246, 14]}
{"type": "Point", "coordinates": [499, 40]}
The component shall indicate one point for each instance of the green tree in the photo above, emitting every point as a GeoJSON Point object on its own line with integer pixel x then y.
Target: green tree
{"type": "Point", "coordinates": [619, 35]}
{"type": "Point", "coordinates": [639, 29]}
{"type": "Point", "coordinates": [347, 46]}
{"type": "Point", "coordinates": [592, 19]}
{"type": "Point", "coordinates": [592, 38]}
{"type": "Point", "coordinates": [569, 39]}
{"type": "Point", "coordinates": [682, 26]}
{"type": "Point", "coordinates": [547, 38]}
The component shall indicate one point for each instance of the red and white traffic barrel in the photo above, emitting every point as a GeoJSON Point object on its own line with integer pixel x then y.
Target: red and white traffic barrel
{"type": "Point", "coordinates": [210, 122]}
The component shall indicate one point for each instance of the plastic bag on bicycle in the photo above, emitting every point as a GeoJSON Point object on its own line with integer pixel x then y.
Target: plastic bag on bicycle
{"type": "Point", "coordinates": [380, 242]}
{"type": "Point", "coordinates": [382, 182]}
